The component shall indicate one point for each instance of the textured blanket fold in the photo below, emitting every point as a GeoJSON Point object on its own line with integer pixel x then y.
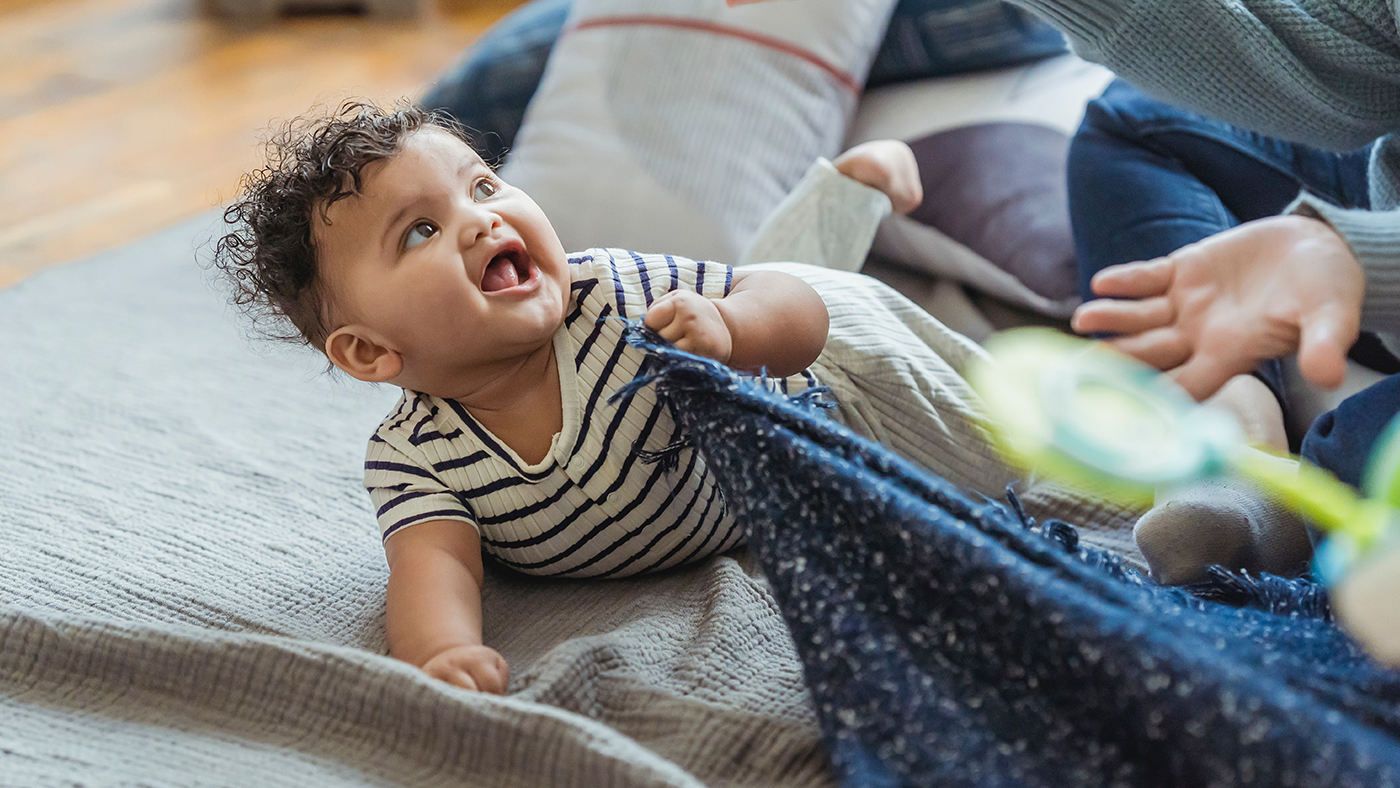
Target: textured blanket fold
{"type": "Point", "coordinates": [192, 586]}
{"type": "Point", "coordinates": [949, 641]}
{"type": "Point", "coordinates": [191, 593]}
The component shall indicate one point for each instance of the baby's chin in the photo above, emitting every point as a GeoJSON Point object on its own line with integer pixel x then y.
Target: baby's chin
{"type": "Point", "coordinates": [552, 303]}
{"type": "Point", "coordinates": [465, 369]}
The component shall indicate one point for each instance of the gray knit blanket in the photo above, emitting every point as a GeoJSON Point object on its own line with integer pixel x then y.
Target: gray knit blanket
{"type": "Point", "coordinates": [192, 585]}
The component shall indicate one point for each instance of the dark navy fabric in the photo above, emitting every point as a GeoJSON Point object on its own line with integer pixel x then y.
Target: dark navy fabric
{"type": "Point", "coordinates": [949, 641]}
{"type": "Point", "coordinates": [936, 38]}
{"type": "Point", "coordinates": [1341, 440]}
{"type": "Point", "coordinates": [489, 88]}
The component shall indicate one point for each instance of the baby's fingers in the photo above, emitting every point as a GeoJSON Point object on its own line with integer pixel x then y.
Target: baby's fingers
{"type": "Point", "coordinates": [661, 314]}
{"type": "Point", "coordinates": [1134, 280]}
{"type": "Point", "coordinates": [693, 337]}
{"type": "Point", "coordinates": [491, 676]}
{"type": "Point", "coordinates": [476, 668]}
{"type": "Point", "coordinates": [690, 343]}
{"type": "Point", "coordinates": [1109, 316]}
{"type": "Point", "coordinates": [456, 675]}
{"type": "Point", "coordinates": [677, 335]}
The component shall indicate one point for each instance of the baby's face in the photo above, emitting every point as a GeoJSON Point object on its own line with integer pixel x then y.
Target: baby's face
{"type": "Point", "coordinates": [440, 261]}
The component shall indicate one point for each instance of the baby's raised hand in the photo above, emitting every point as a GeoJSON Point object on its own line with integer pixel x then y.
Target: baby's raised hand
{"type": "Point", "coordinates": [479, 668]}
{"type": "Point", "coordinates": [692, 323]}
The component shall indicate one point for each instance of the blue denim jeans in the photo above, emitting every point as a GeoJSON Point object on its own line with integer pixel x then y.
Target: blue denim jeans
{"type": "Point", "coordinates": [1147, 178]}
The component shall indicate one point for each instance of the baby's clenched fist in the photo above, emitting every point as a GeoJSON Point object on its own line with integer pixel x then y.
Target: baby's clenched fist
{"type": "Point", "coordinates": [479, 668]}
{"type": "Point", "coordinates": [692, 323]}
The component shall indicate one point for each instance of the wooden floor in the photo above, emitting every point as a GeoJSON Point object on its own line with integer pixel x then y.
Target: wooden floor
{"type": "Point", "coordinates": [120, 117]}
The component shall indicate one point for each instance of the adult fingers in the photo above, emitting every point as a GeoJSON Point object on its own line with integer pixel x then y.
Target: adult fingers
{"type": "Point", "coordinates": [1134, 280]}
{"type": "Point", "coordinates": [1163, 348]}
{"type": "Point", "coordinates": [1326, 335]}
{"type": "Point", "coordinates": [1112, 316]}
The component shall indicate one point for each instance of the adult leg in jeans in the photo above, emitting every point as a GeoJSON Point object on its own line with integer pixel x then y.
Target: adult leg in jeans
{"type": "Point", "coordinates": [1146, 179]}
{"type": "Point", "coordinates": [1341, 440]}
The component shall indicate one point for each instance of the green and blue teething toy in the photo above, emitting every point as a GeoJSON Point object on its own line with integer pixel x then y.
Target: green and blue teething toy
{"type": "Point", "coordinates": [1089, 416]}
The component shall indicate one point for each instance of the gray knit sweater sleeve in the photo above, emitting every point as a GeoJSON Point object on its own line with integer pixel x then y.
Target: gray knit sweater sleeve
{"type": "Point", "coordinates": [1326, 72]}
{"type": "Point", "coordinates": [1322, 72]}
{"type": "Point", "coordinates": [1374, 236]}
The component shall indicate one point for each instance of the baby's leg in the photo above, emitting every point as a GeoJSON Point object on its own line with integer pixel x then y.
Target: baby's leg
{"type": "Point", "coordinates": [1225, 522]}
{"type": "Point", "coordinates": [893, 369]}
{"type": "Point", "coordinates": [1257, 409]}
{"type": "Point", "coordinates": [895, 372]}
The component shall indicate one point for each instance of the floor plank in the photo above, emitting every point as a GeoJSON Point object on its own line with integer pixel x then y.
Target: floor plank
{"type": "Point", "coordinates": [120, 117]}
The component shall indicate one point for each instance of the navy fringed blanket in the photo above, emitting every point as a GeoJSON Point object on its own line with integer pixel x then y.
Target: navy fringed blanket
{"type": "Point", "coordinates": [948, 641]}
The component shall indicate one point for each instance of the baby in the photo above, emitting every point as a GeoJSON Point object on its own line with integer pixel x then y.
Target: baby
{"type": "Point", "coordinates": [388, 244]}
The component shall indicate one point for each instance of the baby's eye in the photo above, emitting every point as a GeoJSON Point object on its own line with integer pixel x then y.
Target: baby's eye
{"type": "Point", "coordinates": [419, 233]}
{"type": "Point", "coordinates": [485, 189]}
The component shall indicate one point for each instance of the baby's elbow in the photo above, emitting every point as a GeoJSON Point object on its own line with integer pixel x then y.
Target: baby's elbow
{"type": "Point", "coordinates": [804, 336]}
{"type": "Point", "coordinates": [818, 326]}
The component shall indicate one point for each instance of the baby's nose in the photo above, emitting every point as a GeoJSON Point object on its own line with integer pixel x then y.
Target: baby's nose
{"type": "Point", "coordinates": [480, 224]}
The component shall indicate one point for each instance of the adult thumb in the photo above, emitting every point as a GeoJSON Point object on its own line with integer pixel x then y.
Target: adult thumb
{"type": "Point", "coordinates": [1325, 336]}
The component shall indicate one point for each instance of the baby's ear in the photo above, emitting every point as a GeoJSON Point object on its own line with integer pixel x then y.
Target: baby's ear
{"type": "Point", "coordinates": [359, 356]}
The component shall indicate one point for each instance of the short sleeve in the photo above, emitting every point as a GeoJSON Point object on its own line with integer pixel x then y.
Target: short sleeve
{"type": "Point", "coordinates": [633, 280]}
{"type": "Point", "coordinates": [711, 280]}
{"type": "Point", "coordinates": [405, 493]}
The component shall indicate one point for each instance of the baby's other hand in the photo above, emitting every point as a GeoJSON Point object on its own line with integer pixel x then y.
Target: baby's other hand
{"type": "Point", "coordinates": [479, 668]}
{"type": "Point", "coordinates": [692, 323]}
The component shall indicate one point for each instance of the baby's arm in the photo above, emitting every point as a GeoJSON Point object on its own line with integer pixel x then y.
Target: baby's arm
{"type": "Point", "coordinates": [434, 607]}
{"type": "Point", "coordinates": [769, 320]}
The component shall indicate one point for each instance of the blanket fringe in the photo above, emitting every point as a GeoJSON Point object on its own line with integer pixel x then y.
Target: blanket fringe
{"type": "Point", "coordinates": [680, 372]}
{"type": "Point", "coordinates": [1296, 597]}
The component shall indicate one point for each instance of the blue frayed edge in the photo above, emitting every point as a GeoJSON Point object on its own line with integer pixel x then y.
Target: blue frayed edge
{"type": "Point", "coordinates": [679, 371]}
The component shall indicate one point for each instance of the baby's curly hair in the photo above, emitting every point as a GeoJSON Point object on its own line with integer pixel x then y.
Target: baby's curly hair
{"type": "Point", "coordinates": [269, 259]}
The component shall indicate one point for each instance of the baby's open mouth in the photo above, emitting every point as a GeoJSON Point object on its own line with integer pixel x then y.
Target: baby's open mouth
{"type": "Point", "coordinates": [506, 270]}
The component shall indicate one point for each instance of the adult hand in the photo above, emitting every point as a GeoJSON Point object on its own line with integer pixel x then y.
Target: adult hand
{"type": "Point", "coordinates": [692, 323]}
{"type": "Point", "coordinates": [1216, 308]}
{"type": "Point", "coordinates": [480, 668]}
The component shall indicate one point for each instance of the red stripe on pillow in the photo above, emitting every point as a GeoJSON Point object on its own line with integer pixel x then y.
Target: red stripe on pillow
{"type": "Point", "coordinates": [684, 23]}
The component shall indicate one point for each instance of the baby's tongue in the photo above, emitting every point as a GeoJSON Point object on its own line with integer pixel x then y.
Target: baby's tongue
{"type": "Point", "coordinates": [500, 274]}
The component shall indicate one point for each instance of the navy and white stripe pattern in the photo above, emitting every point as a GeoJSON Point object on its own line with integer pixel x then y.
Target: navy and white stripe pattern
{"type": "Point", "coordinates": [592, 507]}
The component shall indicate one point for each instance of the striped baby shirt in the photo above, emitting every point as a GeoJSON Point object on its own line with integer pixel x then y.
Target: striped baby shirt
{"type": "Point", "coordinates": [594, 506]}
